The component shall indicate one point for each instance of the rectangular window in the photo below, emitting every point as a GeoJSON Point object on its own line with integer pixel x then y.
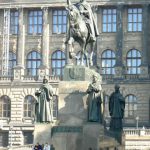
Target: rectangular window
{"type": "Point", "coordinates": [109, 20]}
{"type": "Point", "coordinates": [59, 21]}
{"type": "Point", "coordinates": [14, 22]}
{"type": "Point", "coordinates": [35, 22]}
{"type": "Point", "coordinates": [28, 137]}
{"type": "Point", "coordinates": [134, 19]}
{"type": "Point", "coordinates": [3, 139]}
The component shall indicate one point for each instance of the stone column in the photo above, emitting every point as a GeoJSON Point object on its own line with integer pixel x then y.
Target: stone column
{"type": "Point", "coordinates": [43, 69]}
{"type": "Point", "coordinates": [145, 40]}
{"type": "Point", "coordinates": [19, 69]}
{"type": "Point", "coordinates": [119, 42]}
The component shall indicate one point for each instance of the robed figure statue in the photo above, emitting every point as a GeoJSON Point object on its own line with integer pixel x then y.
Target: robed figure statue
{"type": "Point", "coordinates": [43, 109]}
{"type": "Point", "coordinates": [94, 101]}
{"type": "Point", "coordinates": [116, 109]}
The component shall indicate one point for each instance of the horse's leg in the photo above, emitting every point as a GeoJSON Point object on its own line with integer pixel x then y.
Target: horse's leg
{"type": "Point", "coordinates": [83, 51]}
{"type": "Point", "coordinates": [87, 59]}
{"type": "Point", "coordinates": [70, 44]}
{"type": "Point", "coordinates": [91, 54]}
{"type": "Point", "coordinates": [86, 55]}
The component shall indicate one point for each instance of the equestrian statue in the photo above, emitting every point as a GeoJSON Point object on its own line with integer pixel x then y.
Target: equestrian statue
{"type": "Point", "coordinates": [82, 29]}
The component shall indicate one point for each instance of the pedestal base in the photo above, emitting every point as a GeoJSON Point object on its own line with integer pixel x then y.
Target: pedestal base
{"type": "Point", "coordinates": [111, 140]}
{"type": "Point", "coordinates": [18, 72]}
{"type": "Point", "coordinates": [144, 71]}
{"type": "Point", "coordinates": [42, 133]}
{"type": "Point", "coordinates": [79, 73]}
{"type": "Point", "coordinates": [91, 133]}
{"type": "Point", "coordinates": [42, 71]}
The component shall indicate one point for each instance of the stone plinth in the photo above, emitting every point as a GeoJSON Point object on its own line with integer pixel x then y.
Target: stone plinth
{"type": "Point", "coordinates": [91, 133]}
{"type": "Point", "coordinates": [67, 137]}
{"type": "Point", "coordinates": [18, 73]}
{"type": "Point", "coordinates": [42, 133]}
{"type": "Point", "coordinates": [77, 137]}
{"type": "Point", "coordinates": [111, 140]}
{"type": "Point", "coordinates": [79, 73]}
{"type": "Point", "coordinates": [72, 102]}
{"type": "Point", "coordinates": [42, 71]}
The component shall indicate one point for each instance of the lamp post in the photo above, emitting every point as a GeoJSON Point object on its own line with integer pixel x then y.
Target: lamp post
{"type": "Point", "coordinates": [137, 122]}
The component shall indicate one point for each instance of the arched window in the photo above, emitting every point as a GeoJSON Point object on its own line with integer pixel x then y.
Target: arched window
{"type": "Point", "coordinates": [131, 106]}
{"type": "Point", "coordinates": [12, 62]}
{"type": "Point", "coordinates": [5, 106]}
{"type": "Point", "coordinates": [29, 106]}
{"type": "Point", "coordinates": [33, 63]}
{"type": "Point", "coordinates": [58, 62]}
{"type": "Point", "coordinates": [106, 106]}
{"type": "Point", "coordinates": [108, 62]}
{"type": "Point", "coordinates": [133, 61]}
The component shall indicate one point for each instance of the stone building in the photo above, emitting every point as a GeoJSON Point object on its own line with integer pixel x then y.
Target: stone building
{"type": "Point", "coordinates": [32, 37]}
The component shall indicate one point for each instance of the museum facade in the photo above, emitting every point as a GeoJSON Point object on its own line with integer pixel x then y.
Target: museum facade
{"type": "Point", "coordinates": [32, 37]}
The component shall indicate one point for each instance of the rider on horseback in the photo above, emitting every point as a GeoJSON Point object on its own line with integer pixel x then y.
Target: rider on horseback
{"type": "Point", "coordinates": [87, 14]}
{"type": "Point", "coordinates": [81, 29]}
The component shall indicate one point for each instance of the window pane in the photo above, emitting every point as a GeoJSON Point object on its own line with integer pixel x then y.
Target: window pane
{"type": "Point", "coordinates": [133, 61]}
{"type": "Point", "coordinates": [5, 106]}
{"type": "Point", "coordinates": [104, 28]}
{"type": "Point", "coordinates": [109, 20]}
{"type": "Point", "coordinates": [59, 21]}
{"type": "Point", "coordinates": [14, 16]}
{"type": "Point", "coordinates": [54, 20]}
{"type": "Point", "coordinates": [33, 62]}
{"type": "Point", "coordinates": [131, 103]}
{"type": "Point", "coordinates": [12, 62]}
{"type": "Point", "coordinates": [134, 19]}
{"type": "Point", "coordinates": [35, 22]}
{"type": "Point", "coordinates": [58, 62]}
{"type": "Point", "coordinates": [108, 62]}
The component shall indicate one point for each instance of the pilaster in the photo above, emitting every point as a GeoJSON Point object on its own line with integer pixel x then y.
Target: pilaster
{"type": "Point", "coordinates": [119, 42]}
{"type": "Point", "coordinates": [145, 40]}
{"type": "Point", "coordinates": [19, 69]}
{"type": "Point", "coordinates": [43, 69]}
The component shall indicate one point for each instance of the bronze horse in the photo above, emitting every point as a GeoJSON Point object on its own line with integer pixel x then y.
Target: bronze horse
{"type": "Point", "coordinates": [78, 32]}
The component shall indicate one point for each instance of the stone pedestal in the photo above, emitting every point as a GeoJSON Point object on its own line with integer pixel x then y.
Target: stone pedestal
{"type": "Point", "coordinates": [111, 140]}
{"type": "Point", "coordinates": [91, 133]}
{"type": "Point", "coordinates": [72, 102]}
{"type": "Point", "coordinates": [118, 72]}
{"type": "Point", "coordinates": [42, 133]}
{"type": "Point", "coordinates": [67, 137]}
{"type": "Point", "coordinates": [79, 73]}
{"type": "Point", "coordinates": [144, 71]}
{"type": "Point", "coordinates": [18, 73]}
{"type": "Point", "coordinates": [42, 71]}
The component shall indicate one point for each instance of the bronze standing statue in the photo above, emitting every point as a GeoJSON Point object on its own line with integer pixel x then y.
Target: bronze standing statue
{"type": "Point", "coordinates": [82, 29]}
{"type": "Point", "coordinates": [43, 110]}
{"type": "Point", "coordinates": [94, 101]}
{"type": "Point", "coordinates": [116, 109]}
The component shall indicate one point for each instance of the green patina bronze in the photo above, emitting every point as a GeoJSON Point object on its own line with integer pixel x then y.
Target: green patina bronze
{"type": "Point", "coordinates": [43, 110]}
{"type": "Point", "coordinates": [66, 129]}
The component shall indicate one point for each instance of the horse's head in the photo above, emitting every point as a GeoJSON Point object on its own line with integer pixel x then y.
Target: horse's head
{"type": "Point", "coordinates": [73, 12]}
